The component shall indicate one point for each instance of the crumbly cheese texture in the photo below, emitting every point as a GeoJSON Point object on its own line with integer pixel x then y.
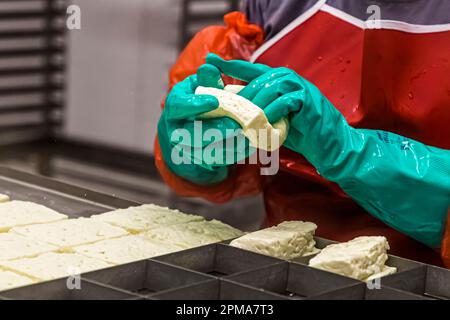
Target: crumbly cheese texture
{"type": "Point", "coordinates": [194, 234]}
{"type": "Point", "coordinates": [72, 232]}
{"type": "Point", "coordinates": [14, 246]}
{"type": "Point", "coordinates": [255, 125]}
{"type": "Point", "coordinates": [19, 213]}
{"type": "Point", "coordinates": [11, 280]}
{"type": "Point", "coordinates": [144, 217]}
{"type": "Point", "coordinates": [52, 265]}
{"type": "Point", "coordinates": [288, 240]}
{"type": "Point", "coordinates": [126, 249]}
{"type": "Point", "coordinates": [362, 258]}
{"type": "Point", "coordinates": [4, 198]}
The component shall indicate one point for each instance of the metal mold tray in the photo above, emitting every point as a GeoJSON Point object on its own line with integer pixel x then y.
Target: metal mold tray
{"type": "Point", "coordinates": [218, 289]}
{"type": "Point", "coordinates": [59, 290]}
{"type": "Point", "coordinates": [217, 259]}
{"type": "Point", "coordinates": [295, 281]}
{"type": "Point", "coordinates": [386, 293]}
{"type": "Point", "coordinates": [401, 264]}
{"type": "Point", "coordinates": [146, 277]}
{"type": "Point", "coordinates": [426, 281]}
{"type": "Point", "coordinates": [362, 292]}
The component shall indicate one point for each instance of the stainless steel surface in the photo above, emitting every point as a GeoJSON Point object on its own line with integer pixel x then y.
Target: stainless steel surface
{"type": "Point", "coordinates": [218, 260]}
{"type": "Point", "coordinates": [59, 290]}
{"type": "Point", "coordinates": [427, 281]}
{"type": "Point", "coordinates": [146, 277]}
{"type": "Point", "coordinates": [68, 199]}
{"type": "Point", "coordinates": [292, 280]}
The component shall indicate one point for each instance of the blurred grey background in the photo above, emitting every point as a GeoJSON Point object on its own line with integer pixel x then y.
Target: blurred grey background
{"type": "Point", "coordinates": [82, 105]}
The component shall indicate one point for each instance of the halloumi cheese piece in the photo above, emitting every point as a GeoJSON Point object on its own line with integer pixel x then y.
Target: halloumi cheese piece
{"type": "Point", "coordinates": [144, 217]}
{"type": "Point", "coordinates": [126, 249]}
{"type": "Point", "coordinates": [4, 197]}
{"type": "Point", "coordinates": [11, 280]}
{"type": "Point", "coordinates": [19, 213]}
{"type": "Point", "coordinates": [362, 258]}
{"type": "Point", "coordinates": [288, 240]}
{"type": "Point", "coordinates": [255, 125]}
{"type": "Point", "coordinates": [72, 232]}
{"type": "Point", "coordinates": [194, 234]}
{"type": "Point", "coordinates": [14, 246]}
{"type": "Point", "coordinates": [52, 265]}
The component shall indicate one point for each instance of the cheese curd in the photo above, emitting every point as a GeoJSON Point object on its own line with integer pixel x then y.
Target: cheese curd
{"type": "Point", "coordinates": [13, 246]}
{"type": "Point", "coordinates": [288, 240]}
{"type": "Point", "coordinates": [72, 232]}
{"type": "Point", "coordinates": [19, 213]}
{"type": "Point", "coordinates": [194, 234]}
{"type": "Point", "coordinates": [144, 217]}
{"type": "Point", "coordinates": [362, 258]}
{"type": "Point", "coordinates": [126, 249]}
{"type": "Point", "coordinates": [52, 265]}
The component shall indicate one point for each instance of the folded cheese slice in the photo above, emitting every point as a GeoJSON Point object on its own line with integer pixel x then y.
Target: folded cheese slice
{"type": "Point", "coordinates": [52, 265]}
{"type": "Point", "coordinates": [144, 217]}
{"type": "Point", "coordinates": [10, 280]}
{"type": "Point", "coordinates": [19, 213]}
{"type": "Point", "coordinates": [194, 234]}
{"type": "Point", "coordinates": [255, 125]}
{"type": "Point", "coordinates": [72, 232]}
{"type": "Point", "coordinates": [362, 258]}
{"type": "Point", "coordinates": [126, 249]}
{"type": "Point", "coordinates": [288, 240]}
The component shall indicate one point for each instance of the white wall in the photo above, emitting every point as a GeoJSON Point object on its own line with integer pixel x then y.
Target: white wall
{"type": "Point", "coordinates": [118, 65]}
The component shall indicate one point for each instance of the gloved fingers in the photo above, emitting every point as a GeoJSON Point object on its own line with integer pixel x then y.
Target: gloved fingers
{"type": "Point", "coordinates": [209, 76]}
{"type": "Point", "coordinates": [183, 103]}
{"type": "Point", "coordinates": [284, 105]}
{"type": "Point", "coordinates": [254, 87]}
{"type": "Point", "coordinates": [238, 69]}
{"type": "Point", "coordinates": [274, 89]}
{"type": "Point", "coordinates": [189, 106]}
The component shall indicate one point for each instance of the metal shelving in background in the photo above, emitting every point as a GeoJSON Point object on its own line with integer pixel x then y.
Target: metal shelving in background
{"type": "Point", "coordinates": [199, 13]}
{"type": "Point", "coordinates": [32, 47]}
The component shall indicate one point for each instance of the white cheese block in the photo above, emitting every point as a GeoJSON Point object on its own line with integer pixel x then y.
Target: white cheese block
{"type": "Point", "coordinates": [52, 265]}
{"type": "Point", "coordinates": [4, 198]}
{"type": "Point", "coordinates": [13, 246]}
{"type": "Point", "coordinates": [72, 232]}
{"type": "Point", "coordinates": [255, 125]}
{"type": "Point", "coordinates": [360, 258]}
{"type": "Point", "coordinates": [288, 240]}
{"type": "Point", "coordinates": [126, 249]}
{"type": "Point", "coordinates": [19, 213]}
{"type": "Point", "coordinates": [194, 234]}
{"type": "Point", "coordinates": [10, 280]}
{"type": "Point", "coordinates": [147, 216]}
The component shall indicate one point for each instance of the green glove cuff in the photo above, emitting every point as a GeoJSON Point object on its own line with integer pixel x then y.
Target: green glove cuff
{"type": "Point", "coordinates": [402, 182]}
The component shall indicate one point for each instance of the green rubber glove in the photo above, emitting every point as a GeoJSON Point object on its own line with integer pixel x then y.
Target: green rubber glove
{"type": "Point", "coordinates": [202, 161]}
{"type": "Point", "coordinates": [402, 182]}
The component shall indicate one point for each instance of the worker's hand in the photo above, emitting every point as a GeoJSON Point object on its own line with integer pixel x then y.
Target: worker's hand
{"type": "Point", "coordinates": [403, 182]}
{"type": "Point", "coordinates": [278, 91]}
{"type": "Point", "coordinates": [186, 151]}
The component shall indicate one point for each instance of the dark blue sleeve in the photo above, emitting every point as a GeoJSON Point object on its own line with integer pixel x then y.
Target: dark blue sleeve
{"type": "Point", "coordinates": [274, 15]}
